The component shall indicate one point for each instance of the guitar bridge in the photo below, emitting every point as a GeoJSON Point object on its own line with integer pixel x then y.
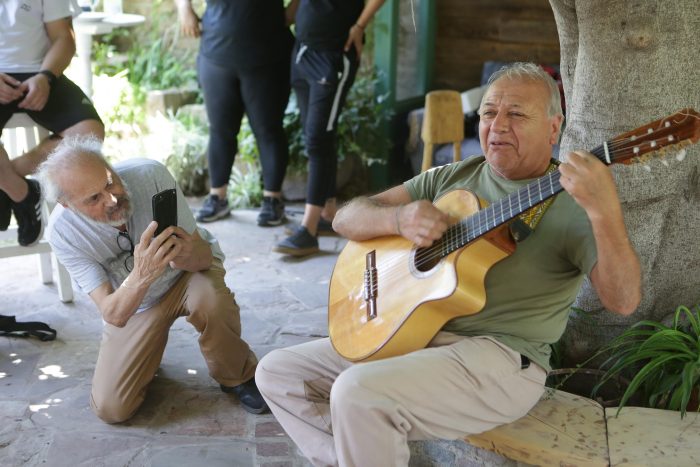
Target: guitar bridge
{"type": "Point", "coordinates": [370, 289]}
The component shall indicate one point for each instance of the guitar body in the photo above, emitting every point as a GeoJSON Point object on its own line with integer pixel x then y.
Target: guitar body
{"type": "Point", "coordinates": [412, 305]}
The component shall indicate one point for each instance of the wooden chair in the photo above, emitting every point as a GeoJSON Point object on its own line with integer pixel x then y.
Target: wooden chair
{"type": "Point", "coordinates": [443, 122]}
{"type": "Point", "coordinates": [20, 134]}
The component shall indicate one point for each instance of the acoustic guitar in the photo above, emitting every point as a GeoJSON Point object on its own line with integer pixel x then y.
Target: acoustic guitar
{"type": "Point", "coordinates": [389, 297]}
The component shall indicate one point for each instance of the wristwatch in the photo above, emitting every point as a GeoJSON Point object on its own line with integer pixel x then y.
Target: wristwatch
{"type": "Point", "coordinates": [49, 75]}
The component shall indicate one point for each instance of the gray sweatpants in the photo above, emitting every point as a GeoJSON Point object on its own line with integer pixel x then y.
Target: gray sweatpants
{"type": "Point", "coordinates": [362, 415]}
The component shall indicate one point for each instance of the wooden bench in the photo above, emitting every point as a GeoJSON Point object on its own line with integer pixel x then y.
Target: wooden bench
{"type": "Point", "coordinates": [568, 430]}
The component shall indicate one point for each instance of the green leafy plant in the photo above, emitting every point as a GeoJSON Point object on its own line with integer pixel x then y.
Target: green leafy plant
{"type": "Point", "coordinates": [295, 136]}
{"type": "Point", "coordinates": [662, 362]}
{"type": "Point", "coordinates": [188, 159]}
{"type": "Point", "coordinates": [159, 66]}
{"type": "Point", "coordinates": [361, 126]}
{"type": "Point", "coordinates": [147, 58]}
{"type": "Point", "coordinates": [245, 189]}
{"type": "Point", "coordinates": [106, 59]}
{"type": "Point", "coordinates": [247, 145]}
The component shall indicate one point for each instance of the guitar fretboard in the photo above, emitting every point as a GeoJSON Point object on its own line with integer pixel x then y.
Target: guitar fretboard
{"type": "Point", "coordinates": [472, 227]}
{"type": "Point", "coordinates": [498, 213]}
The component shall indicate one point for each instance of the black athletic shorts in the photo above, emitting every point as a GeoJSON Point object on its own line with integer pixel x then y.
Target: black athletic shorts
{"type": "Point", "coordinates": [66, 106]}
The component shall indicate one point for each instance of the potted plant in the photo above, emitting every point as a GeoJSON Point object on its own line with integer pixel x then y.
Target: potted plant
{"type": "Point", "coordinates": [662, 362]}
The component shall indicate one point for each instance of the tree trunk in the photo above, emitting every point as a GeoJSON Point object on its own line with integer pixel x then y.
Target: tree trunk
{"type": "Point", "coordinates": [623, 64]}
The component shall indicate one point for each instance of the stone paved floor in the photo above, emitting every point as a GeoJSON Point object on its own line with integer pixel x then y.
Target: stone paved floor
{"type": "Point", "coordinates": [185, 421]}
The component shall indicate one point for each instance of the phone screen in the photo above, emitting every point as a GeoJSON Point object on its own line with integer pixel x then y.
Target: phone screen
{"type": "Point", "coordinates": [165, 209]}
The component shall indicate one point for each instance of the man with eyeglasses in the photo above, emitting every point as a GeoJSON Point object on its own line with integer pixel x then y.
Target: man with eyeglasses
{"type": "Point", "coordinates": [102, 231]}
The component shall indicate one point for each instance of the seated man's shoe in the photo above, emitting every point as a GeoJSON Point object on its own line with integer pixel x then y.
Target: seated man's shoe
{"type": "Point", "coordinates": [271, 212]}
{"type": "Point", "coordinates": [324, 229]}
{"type": "Point", "coordinates": [300, 243]}
{"type": "Point", "coordinates": [249, 396]}
{"type": "Point", "coordinates": [28, 215]}
{"type": "Point", "coordinates": [213, 208]}
{"type": "Point", "coordinates": [5, 210]}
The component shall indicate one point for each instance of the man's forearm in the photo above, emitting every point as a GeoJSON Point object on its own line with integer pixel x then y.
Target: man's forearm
{"type": "Point", "coordinates": [117, 306]}
{"type": "Point", "coordinates": [59, 54]}
{"type": "Point", "coordinates": [617, 274]}
{"type": "Point", "coordinates": [368, 12]}
{"type": "Point", "coordinates": [364, 218]}
{"type": "Point", "coordinates": [183, 5]}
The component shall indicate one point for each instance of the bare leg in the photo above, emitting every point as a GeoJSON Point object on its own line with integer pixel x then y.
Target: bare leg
{"type": "Point", "coordinates": [273, 194]}
{"type": "Point", "coordinates": [219, 191]}
{"type": "Point", "coordinates": [11, 183]}
{"type": "Point", "coordinates": [329, 209]}
{"type": "Point", "coordinates": [312, 214]}
{"type": "Point", "coordinates": [27, 163]}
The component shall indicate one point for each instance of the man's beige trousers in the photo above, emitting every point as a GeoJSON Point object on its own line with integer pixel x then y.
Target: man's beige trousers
{"type": "Point", "coordinates": [362, 415]}
{"type": "Point", "coordinates": [129, 357]}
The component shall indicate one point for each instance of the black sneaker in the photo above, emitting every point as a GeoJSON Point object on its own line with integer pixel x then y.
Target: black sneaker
{"type": "Point", "coordinates": [300, 243]}
{"type": "Point", "coordinates": [5, 210]}
{"type": "Point", "coordinates": [324, 228]}
{"type": "Point", "coordinates": [213, 208]}
{"type": "Point", "coordinates": [271, 212]}
{"type": "Point", "coordinates": [28, 215]}
{"type": "Point", "coordinates": [249, 396]}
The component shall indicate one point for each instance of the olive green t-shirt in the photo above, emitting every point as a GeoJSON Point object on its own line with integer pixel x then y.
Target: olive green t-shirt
{"type": "Point", "coordinates": [529, 293]}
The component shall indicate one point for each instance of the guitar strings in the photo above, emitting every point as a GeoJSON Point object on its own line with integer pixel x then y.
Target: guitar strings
{"type": "Point", "coordinates": [483, 221]}
{"type": "Point", "coordinates": [455, 236]}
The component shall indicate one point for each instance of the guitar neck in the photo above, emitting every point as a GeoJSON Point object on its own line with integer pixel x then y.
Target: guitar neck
{"type": "Point", "coordinates": [499, 213]}
{"type": "Point", "coordinates": [676, 130]}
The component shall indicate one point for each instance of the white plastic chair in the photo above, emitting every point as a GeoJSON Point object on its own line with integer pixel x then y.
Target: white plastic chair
{"type": "Point", "coordinates": [20, 134]}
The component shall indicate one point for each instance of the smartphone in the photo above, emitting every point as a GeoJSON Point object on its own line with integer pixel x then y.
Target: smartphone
{"type": "Point", "coordinates": [164, 209]}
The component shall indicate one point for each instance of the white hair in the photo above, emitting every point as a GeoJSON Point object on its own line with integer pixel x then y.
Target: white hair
{"type": "Point", "coordinates": [532, 72]}
{"type": "Point", "coordinates": [71, 151]}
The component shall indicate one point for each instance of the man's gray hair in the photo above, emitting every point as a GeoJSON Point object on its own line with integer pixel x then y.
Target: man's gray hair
{"type": "Point", "coordinates": [532, 72]}
{"type": "Point", "coordinates": [64, 158]}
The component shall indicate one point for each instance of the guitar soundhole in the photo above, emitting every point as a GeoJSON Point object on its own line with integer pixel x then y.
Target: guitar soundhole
{"type": "Point", "coordinates": [425, 259]}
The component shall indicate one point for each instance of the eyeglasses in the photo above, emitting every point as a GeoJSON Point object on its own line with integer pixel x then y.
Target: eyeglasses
{"type": "Point", "coordinates": [122, 238]}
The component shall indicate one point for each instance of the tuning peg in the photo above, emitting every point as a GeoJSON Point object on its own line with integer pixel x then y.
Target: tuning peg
{"type": "Point", "coordinates": [681, 155]}
{"type": "Point", "coordinates": [665, 162]}
{"type": "Point", "coordinates": [646, 167]}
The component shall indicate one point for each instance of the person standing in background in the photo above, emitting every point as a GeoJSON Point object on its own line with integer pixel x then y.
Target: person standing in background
{"type": "Point", "coordinates": [243, 67]}
{"type": "Point", "coordinates": [326, 56]}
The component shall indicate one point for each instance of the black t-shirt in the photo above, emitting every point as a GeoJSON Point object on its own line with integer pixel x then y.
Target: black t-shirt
{"type": "Point", "coordinates": [324, 24]}
{"type": "Point", "coordinates": [245, 33]}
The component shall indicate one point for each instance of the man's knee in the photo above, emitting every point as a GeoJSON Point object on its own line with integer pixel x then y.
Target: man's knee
{"type": "Point", "coordinates": [86, 127]}
{"type": "Point", "coordinates": [348, 392]}
{"type": "Point", "coordinates": [111, 410]}
{"type": "Point", "coordinates": [208, 293]}
{"type": "Point", "coordinates": [270, 365]}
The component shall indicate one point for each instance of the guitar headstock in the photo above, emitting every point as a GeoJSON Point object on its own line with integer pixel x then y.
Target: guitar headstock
{"type": "Point", "coordinates": [678, 130]}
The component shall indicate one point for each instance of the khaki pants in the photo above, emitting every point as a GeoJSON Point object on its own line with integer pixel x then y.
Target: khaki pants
{"type": "Point", "coordinates": [129, 357]}
{"type": "Point", "coordinates": [363, 414]}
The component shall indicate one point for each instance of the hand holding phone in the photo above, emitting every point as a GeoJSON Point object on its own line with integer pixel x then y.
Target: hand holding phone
{"type": "Point", "coordinates": [164, 209]}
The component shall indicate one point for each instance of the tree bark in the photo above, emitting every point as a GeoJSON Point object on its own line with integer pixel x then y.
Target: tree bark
{"type": "Point", "coordinates": [623, 64]}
